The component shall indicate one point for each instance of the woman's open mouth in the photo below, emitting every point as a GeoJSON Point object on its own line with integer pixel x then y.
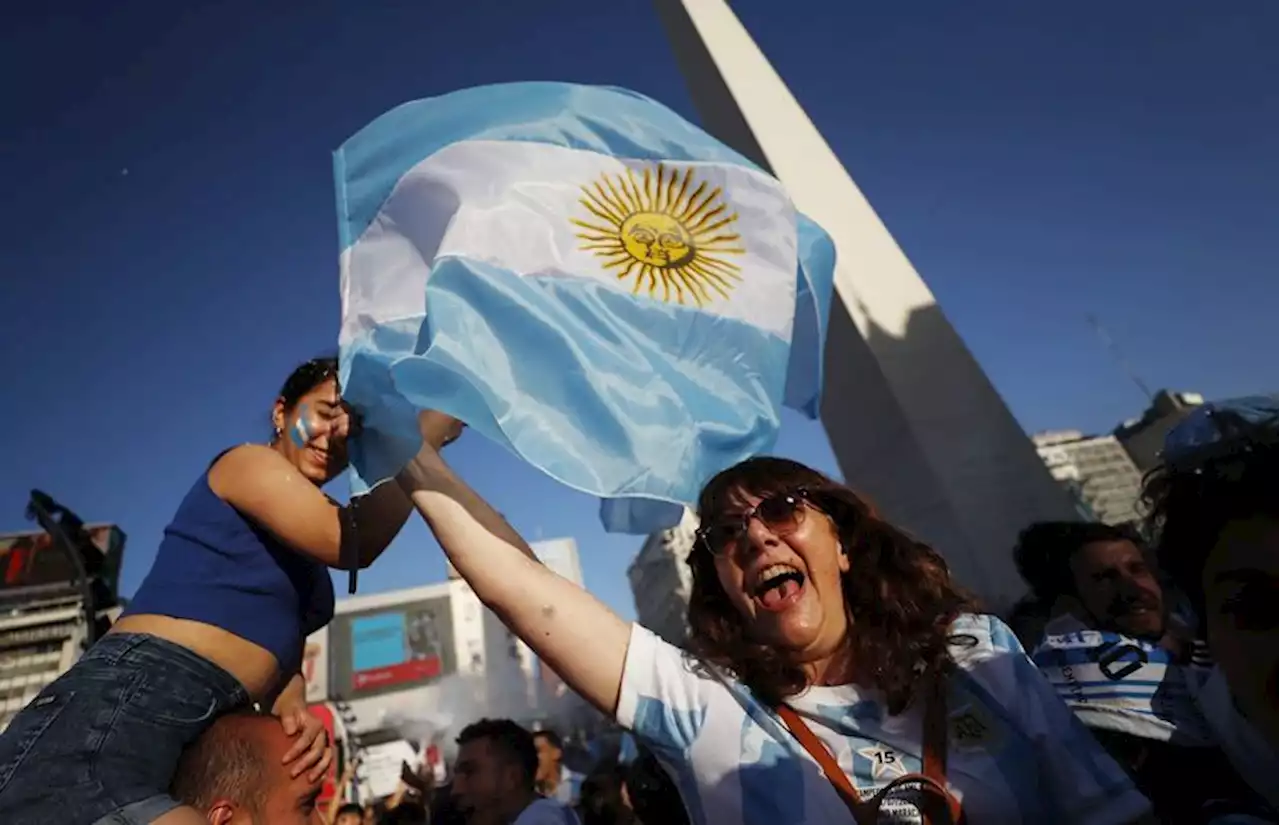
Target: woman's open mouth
{"type": "Point", "coordinates": [778, 586]}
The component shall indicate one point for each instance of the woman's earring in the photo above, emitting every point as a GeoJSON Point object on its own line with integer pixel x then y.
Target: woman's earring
{"type": "Point", "coordinates": [275, 435]}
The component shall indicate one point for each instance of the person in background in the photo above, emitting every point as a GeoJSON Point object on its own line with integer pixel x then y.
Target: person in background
{"type": "Point", "coordinates": [408, 805]}
{"type": "Point", "coordinates": [219, 623]}
{"type": "Point", "coordinates": [373, 812]}
{"type": "Point", "coordinates": [443, 807]}
{"type": "Point", "coordinates": [1213, 513]}
{"type": "Point", "coordinates": [234, 773]}
{"type": "Point", "coordinates": [338, 803]}
{"type": "Point", "coordinates": [351, 813]}
{"type": "Point", "coordinates": [554, 780]}
{"type": "Point", "coordinates": [1094, 576]}
{"type": "Point", "coordinates": [1117, 661]}
{"type": "Point", "coordinates": [837, 670]}
{"type": "Point", "coordinates": [604, 796]}
{"type": "Point", "coordinates": [493, 778]}
{"type": "Point", "coordinates": [652, 796]}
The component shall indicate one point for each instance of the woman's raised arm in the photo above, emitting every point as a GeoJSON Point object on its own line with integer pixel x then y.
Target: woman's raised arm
{"type": "Point", "coordinates": [573, 632]}
{"type": "Point", "coordinates": [265, 487]}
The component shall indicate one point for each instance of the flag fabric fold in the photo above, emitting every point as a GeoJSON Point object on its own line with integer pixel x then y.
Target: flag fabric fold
{"type": "Point", "coordinates": [581, 276]}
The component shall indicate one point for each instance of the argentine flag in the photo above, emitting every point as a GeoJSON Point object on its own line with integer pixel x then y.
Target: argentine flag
{"type": "Point", "coordinates": [582, 276]}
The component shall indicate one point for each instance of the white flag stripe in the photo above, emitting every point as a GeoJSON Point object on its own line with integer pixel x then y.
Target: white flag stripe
{"type": "Point", "coordinates": [514, 205]}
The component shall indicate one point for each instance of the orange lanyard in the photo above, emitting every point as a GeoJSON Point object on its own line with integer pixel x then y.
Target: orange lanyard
{"type": "Point", "coordinates": [928, 789]}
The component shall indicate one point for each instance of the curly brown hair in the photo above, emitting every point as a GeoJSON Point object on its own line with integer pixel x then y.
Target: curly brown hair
{"type": "Point", "coordinates": [898, 592]}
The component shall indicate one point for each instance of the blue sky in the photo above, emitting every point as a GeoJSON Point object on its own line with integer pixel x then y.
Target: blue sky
{"type": "Point", "coordinates": [171, 243]}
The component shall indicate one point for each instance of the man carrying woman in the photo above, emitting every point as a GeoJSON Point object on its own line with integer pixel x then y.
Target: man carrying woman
{"type": "Point", "coordinates": [239, 581]}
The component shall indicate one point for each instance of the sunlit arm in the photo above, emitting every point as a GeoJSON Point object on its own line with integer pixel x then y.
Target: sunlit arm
{"type": "Point", "coordinates": [583, 641]}
{"type": "Point", "coordinates": [265, 487]}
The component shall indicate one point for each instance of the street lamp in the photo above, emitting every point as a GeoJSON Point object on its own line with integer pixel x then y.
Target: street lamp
{"type": "Point", "coordinates": [43, 509]}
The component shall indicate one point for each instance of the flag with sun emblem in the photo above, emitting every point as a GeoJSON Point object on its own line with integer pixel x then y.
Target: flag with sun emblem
{"type": "Point", "coordinates": [582, 276]}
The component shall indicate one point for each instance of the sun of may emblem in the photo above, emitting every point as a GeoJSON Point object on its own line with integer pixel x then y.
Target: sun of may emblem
{"type": "Point", "coordinates": [671, 235]}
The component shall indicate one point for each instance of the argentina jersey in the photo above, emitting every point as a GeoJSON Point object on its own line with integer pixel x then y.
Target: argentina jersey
{"type": "Point", "coordinates": [1125, 685]}
{"type": "Point", "coordinates": [1015, 754]}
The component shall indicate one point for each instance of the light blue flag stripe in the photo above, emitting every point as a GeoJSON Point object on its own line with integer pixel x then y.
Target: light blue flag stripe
{"type": "Point", "coordinates": [463, 294]}
{"type": "Point", "coordinates": [636, 401]}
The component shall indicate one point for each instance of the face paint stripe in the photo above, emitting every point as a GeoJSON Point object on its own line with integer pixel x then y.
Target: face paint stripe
{"type": "Point", "coordinates": [300, 432]}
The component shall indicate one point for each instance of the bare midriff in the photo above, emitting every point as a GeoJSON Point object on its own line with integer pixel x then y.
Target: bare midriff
{"type": "Point", "coordinates": [251, 664]}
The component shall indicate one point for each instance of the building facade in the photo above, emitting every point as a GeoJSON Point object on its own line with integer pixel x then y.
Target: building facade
{"type": "Point", "coordinates": [661, 580]}
{"type": "Point", "coordinates": [561, 557]}
{"type": "Point", "coordinates": [404, 671]}
{"type": "Point", "coordinates": [48, 617]}
{"type": "Point", "coordinates": [1096, 468]}
{"type": "Point", "coordinates": [1143, 438]}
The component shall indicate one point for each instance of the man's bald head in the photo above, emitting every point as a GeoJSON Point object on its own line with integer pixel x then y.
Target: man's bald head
{"type": "Point", "coordinates": [235, 774]}
{"type": "Point", "coordinates": [229, 762]}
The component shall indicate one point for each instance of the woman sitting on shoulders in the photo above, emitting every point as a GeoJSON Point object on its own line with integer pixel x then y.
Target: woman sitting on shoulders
{"type": "Point", "coordinates": [239, 581]}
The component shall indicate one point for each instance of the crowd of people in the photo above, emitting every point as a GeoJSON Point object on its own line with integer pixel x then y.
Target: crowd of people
{"type": "Point", "coordinates": [504, 773]}
{"type": "Point", "coordinates": [834, 671]}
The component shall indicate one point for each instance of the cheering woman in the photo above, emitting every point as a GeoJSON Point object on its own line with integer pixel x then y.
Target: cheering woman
{"type": "Point", "coordinates": [835, 672]}
{"type": "Point", "coordinates": [240, 579]}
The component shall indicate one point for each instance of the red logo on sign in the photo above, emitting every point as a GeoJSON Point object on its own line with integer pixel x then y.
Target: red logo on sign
{"type": "Point", "coordinates": [414, 670]}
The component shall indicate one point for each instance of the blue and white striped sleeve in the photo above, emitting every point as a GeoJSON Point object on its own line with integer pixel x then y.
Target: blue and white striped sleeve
{"type": "Point", "coordinates": [663, 701]}
{"type": "Point", "coordinates": [1082, 783]}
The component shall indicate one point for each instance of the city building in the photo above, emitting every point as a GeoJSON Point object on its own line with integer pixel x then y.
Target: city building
{"type": "Point", "coordinates": [661, 580]}
{"type": "Point", "coordinates": [401, 672]}
{"type": "Point", "coordinates": [912, 418]}
{"type": "Point", "coordinates": [561, 557]}
{"type": "Point", "coordinates": [1097, 469]}
{"type": "Point", "coordinates": [1143, 437]}
{"type": "Point", "coordinates": [57, 597]}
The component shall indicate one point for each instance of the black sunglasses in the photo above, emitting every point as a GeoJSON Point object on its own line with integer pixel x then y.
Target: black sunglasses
{"type": "Point", "coordinates": [781, 513]}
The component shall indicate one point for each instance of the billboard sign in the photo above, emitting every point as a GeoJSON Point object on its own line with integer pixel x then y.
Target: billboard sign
{"type": "Point", "coordinates": [391, 648]}
{"type": "Point", "coordinates": [29, 558]}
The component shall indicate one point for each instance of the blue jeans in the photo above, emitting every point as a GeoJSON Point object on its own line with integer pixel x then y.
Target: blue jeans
{"type": "Point", "coordinates": [100, 744]}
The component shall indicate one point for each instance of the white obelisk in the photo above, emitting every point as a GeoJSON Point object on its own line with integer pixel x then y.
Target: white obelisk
{"type": "Point", "coordinates": [912, 418]}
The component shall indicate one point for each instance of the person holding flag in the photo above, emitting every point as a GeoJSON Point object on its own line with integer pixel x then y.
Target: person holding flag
{"type": "Point", "coordinates": [585, 278]}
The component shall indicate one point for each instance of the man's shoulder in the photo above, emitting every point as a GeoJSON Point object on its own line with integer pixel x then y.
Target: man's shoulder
{"type": "Point", "coordinates": [547, 812]}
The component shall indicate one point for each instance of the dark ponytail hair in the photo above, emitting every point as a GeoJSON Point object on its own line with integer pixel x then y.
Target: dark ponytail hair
{"type": "Point", "coordinates": [305, 378]}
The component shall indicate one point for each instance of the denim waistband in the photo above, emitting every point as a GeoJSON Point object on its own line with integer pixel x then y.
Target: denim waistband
{"type": "Point", "coordinates": [147, 651]}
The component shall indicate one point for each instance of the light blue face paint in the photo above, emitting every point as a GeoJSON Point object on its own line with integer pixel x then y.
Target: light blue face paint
{"type": "Point", "coordinates": [301, 430]}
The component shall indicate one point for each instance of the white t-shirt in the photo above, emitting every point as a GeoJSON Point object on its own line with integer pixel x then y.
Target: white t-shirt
{"type": "Point", "coordinates": [547, 812]}
{"type": "Point", "coordinates": [1016, 754]}
{"type": "Point", "coordinates": [569, 787]}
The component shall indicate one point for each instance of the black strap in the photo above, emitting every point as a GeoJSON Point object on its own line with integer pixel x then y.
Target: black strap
{"type": "Point", "coordinates": [349, 541]}
{"type": "Point", "coordinates": [930, 788]}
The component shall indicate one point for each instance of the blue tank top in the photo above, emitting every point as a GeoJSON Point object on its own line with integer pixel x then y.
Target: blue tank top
{"type": "Point", "coordinates": [218, 567]}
